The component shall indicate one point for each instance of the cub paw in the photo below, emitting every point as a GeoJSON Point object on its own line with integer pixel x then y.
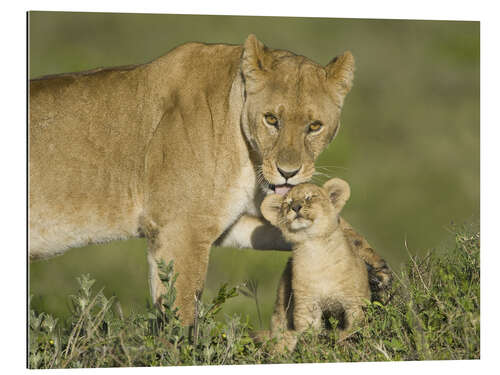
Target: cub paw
{"type": "Point", "coordinates": [380, 278]}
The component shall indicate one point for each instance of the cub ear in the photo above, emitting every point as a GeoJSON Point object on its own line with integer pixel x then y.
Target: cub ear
{"type": "Point", "coordinates": [340, 74]}
{"type": "Point", "coordinates": [255, 60]}
{"type": "Point", "coordinates": [270, 208]}
{"type": "Point", "coordinates": [338, 191]}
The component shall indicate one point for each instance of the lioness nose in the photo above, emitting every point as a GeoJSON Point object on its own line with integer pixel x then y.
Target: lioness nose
{"type": "Point", "coordinates": [296, 206]}
{"type": "Point", "coordinates": [288, 174]}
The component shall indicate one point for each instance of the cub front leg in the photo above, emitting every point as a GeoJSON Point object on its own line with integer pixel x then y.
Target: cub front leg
{"type": "Point", "coordinates": [282, 318]}
{"type": "Point", "coordinates": [306, 314]}
{"type": "Point", "coordinates": [189, 249]}
{"type": "Point", "coordinates": [353, 316]}
{"type": "Point", "coordinates": [380, 275]}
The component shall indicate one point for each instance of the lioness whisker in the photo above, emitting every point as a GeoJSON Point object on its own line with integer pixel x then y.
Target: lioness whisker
{"type": "Point", "coordinates": [317, 173]}
{"type": "Point", "coordinates": [260, 177]}
{"type": "Point", "coordinates": [331, 166]}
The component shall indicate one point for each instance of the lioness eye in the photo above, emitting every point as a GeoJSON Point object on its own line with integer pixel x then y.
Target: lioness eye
{"type": "Point", "coordinates": [271, 119]}
{"type": "Point", "coordinates": [315, 126]}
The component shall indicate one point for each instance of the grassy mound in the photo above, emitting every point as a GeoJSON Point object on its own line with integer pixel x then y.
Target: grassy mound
{"type": "Point", "coordinates": [430, 312]}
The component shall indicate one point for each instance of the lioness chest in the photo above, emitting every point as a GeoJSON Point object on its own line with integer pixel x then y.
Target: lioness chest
{"type": "Point", "coordinates": [241, 196]}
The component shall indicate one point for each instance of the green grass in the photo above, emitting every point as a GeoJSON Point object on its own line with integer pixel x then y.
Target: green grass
{"type": "Point", "coordinates": [431, 312]}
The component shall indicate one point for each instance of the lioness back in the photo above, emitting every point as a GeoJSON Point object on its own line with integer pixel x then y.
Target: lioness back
{"type": "Point", "coordinates": [89, 135]}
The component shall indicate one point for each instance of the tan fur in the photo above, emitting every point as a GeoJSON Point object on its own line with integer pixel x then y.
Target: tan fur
{"type": "Point", "coordinates": [176, 150]}
{"type": "Point", "coordinates": [325, 273]}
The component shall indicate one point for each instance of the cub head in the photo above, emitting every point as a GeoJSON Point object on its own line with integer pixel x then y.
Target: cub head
{"type": "Point", "coordinates": [291, 110]}
{"type": "Point", "coordinates": [307, 210]}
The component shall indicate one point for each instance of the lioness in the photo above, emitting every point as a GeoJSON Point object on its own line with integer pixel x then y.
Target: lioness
{"type": "Point", "coordinates": [181, 150]}
{"type": "Point", "coordinates": [325, 276]}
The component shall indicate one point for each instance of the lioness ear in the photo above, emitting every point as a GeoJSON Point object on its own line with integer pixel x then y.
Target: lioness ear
{"type": "Point", "coordinates": [255, 60]}
{"type": "Point", "coordinates": [340, 74]}
{"type": "Point", "coordinates": [339, 192]}
{"type": "Point", "coordinates": [270, 208]}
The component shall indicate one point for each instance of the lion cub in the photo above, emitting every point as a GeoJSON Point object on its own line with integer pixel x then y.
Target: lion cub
{"type": "Point", "coordinates": [324, 277]}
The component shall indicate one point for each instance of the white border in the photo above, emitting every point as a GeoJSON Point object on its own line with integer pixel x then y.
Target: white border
{"type": "Point", "coordinates": [14, 158]}
{"type": "Point", "coordinates": [423, 9]}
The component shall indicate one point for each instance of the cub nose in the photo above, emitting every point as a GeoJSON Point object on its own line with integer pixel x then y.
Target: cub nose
{"type": "Point", "coordinates": [296, 207]}
{"type": "Point", "coordinates": [288, 174]}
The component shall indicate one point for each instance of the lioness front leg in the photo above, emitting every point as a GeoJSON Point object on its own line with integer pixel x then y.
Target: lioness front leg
{"type": "Point", "coordinates": [189, 248]}
{"type": "Point", "coordinates": [255, 233]}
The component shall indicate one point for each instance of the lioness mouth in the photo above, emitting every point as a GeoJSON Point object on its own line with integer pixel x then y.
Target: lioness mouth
{"type": "Point", "coordinates": [281, 189]}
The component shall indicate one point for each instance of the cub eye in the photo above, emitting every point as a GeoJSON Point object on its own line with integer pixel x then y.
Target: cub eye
{"type": "Point", "coordinates": [315, 126]}
{"type": "Point", "coordinates": [271, 119]}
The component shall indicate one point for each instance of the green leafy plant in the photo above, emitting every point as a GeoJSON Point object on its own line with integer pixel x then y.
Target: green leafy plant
{"type": "Point", "coordinates": [430, 312]}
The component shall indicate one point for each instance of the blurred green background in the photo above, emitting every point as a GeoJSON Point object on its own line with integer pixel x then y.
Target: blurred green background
{"type": "Point", "coordinates": [408, 145]}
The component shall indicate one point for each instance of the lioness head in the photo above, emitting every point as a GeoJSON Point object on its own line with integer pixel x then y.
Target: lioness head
{"type": "Point", "coordinates": [291, 110]}
{"type": "Point", "coordinates": [307, 210]}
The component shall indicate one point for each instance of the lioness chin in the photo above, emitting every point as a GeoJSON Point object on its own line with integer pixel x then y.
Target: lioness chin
{"type": "Point", "coordinates": [181, 150]}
